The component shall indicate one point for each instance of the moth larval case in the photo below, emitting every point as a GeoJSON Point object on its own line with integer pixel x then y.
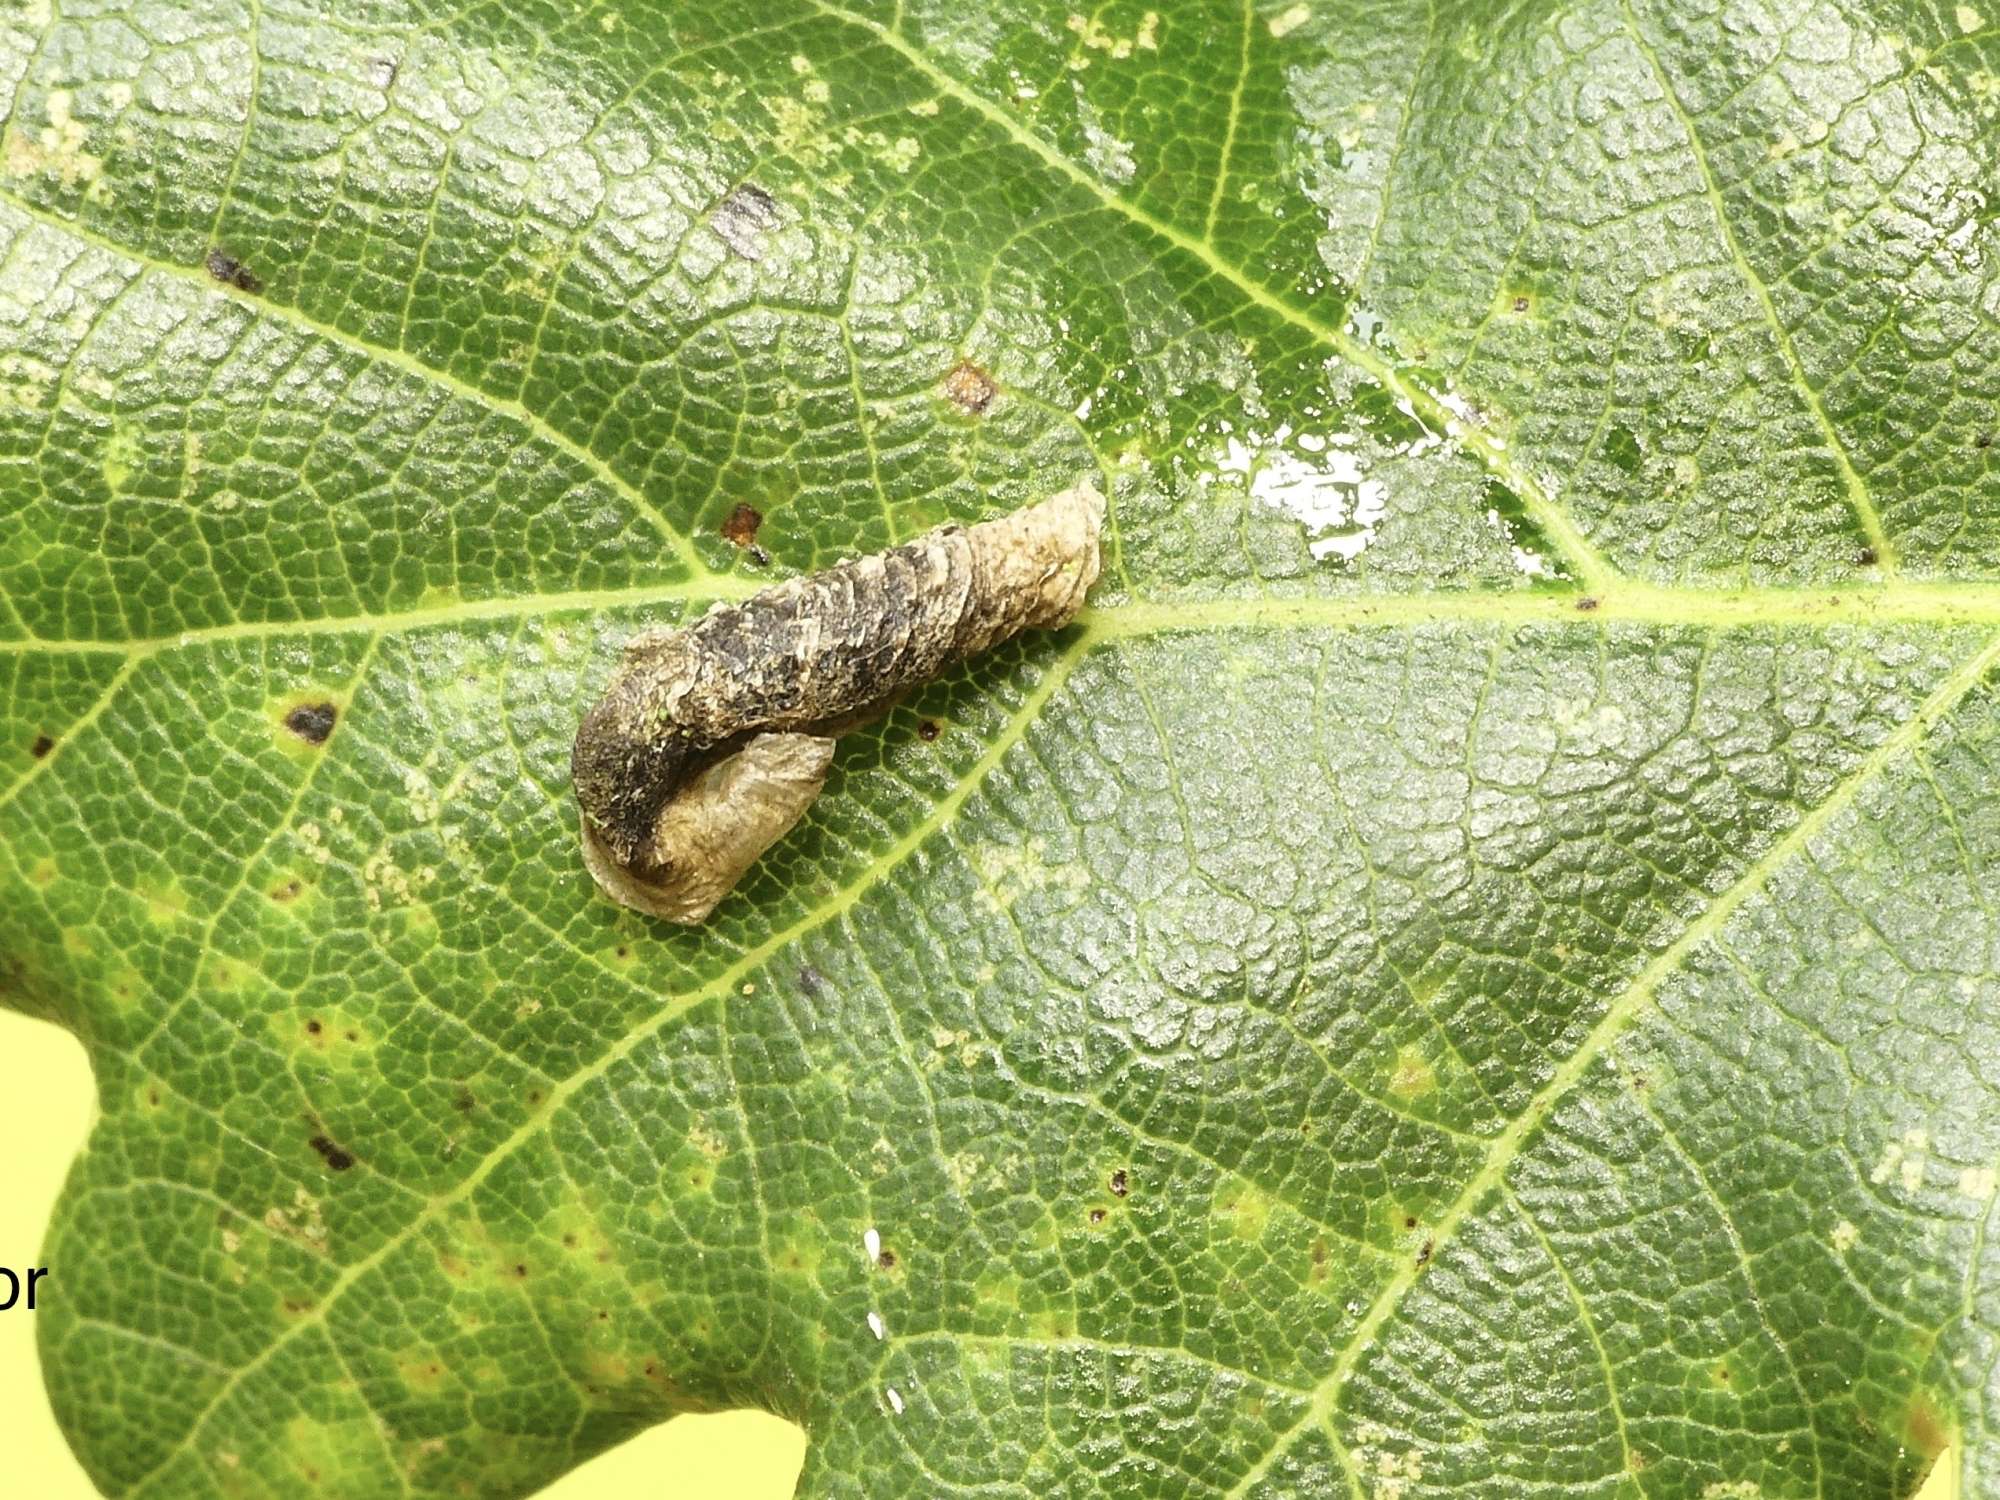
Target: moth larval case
{"type": "Point", "coordinates": [712, 740]}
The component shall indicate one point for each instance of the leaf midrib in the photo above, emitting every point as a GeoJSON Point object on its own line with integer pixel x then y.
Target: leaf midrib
{"type": "Point", "coordinates": [1946, 604]}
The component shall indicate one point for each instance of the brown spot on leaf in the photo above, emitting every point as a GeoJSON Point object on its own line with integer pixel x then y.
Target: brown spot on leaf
{"type": "Point", "coordinates": [289, 891]}
{"type": "Point", "coordinates": [928, 730]}
{"type": "Point", "coordinates": [312, 722]}
{"type": "Point", "coordinates": [886, 1260]}
{"type": "Point", "coordinates": [42, 746]}
{"type": "Point", "coordinates": [1520, 304]}
{"type": "Point", "coordinates": [970, 388]}
{"type": "Point", "coordinates": [1586, 604]}
{"type": "Point", "coordinates": [740, 525]}
{"type": "Point", "coordinates": [1928, 1433]}
{"type": "Point", "coordinates": [1424, 1252]}
{"type": "Point", "coordinates": [231, 272]}
{"type": "Point", "coordinates": [336, 1158]}
{"type": "Point", "coordinates": [314, 1028]}
{"type": "Point", "coordinates": [1097, 1216]}
{"type": "Point", "coordinates": [1120, 1183]}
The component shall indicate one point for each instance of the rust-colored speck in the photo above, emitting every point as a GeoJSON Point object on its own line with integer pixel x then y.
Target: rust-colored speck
{"type": "Point", "coordinates": [739, 527]}
{"type": "Point", "coordinates": [970, 388]}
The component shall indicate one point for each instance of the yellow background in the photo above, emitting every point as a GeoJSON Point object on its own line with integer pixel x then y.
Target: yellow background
{"type": "Point", "coordinates": [44, 1110]}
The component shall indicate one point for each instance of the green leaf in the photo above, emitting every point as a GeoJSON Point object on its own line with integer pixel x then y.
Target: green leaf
{"type": "Point", "coordinates": [1470, 971]}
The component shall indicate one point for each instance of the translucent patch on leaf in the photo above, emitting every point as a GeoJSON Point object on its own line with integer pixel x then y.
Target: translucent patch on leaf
{"type": "Point", "coordinates": [1288, 21]}
{"type": "Point", "coordinates": [1095, 35]}
{"type": "Point", "coordinates": [1903, 1160]}
{"type": "Point", "coordinates": [1319, 481]}
{"type": "Point", "coordinates": [1104, 153]}
{"type": "Point", "coordinates": [1392, 1471]}
{"type": "Point", "coordinates": [55, 150]}
{"type": "Point", "coordinates": [1009, 871]}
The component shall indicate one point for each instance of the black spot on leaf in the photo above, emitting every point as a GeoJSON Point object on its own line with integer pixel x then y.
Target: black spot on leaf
{"type": "Point", "coordinates": [312, 722]}
{"type": "Point", "coordinates": [335, 1158]}
{"type": "Point", "coordinates": [231, 272]}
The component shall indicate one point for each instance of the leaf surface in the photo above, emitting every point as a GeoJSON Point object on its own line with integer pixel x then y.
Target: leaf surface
{"type": "Point", "coordinates": [1470, 971]}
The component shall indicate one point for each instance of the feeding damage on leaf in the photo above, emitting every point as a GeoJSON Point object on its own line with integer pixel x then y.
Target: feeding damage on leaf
{"type": "Point", "coordinates": [713, 740]}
